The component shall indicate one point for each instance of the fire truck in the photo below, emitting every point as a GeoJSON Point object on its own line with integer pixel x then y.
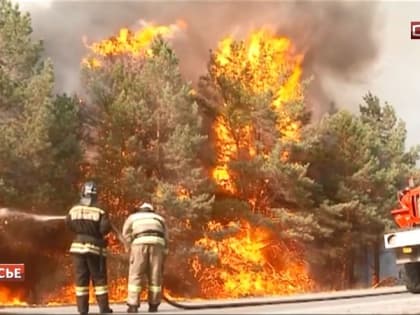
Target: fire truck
{"type": "Point", "coordinates": [406, 240]}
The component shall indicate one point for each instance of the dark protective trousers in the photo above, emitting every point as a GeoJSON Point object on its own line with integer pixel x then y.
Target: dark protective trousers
{"type": "Point", "coordinates": [87, 267]}
{"type": "Point", "coordinates": [146, 261]}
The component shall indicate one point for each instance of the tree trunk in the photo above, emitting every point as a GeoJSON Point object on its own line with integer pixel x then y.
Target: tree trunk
{"type": "Point", "coordinates": [376, 263]}
{"type": "Point", "coordinates": [350, 270]}
{"type": "Point", "coordinates": [343, 279]}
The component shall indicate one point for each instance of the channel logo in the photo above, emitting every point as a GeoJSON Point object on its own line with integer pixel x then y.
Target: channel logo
{"type": "Point", "coordinates": [415, 30]}
{"type": "Point", "coordinates": [12, 272]}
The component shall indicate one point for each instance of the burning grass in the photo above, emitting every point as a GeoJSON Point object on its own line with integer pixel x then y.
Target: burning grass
{"type": "Point", "coordinates": [13, 297]}
{"type": "Point", "coordinates": [117, 294]}
{"type": "Point", "coordinates": [251, 262]}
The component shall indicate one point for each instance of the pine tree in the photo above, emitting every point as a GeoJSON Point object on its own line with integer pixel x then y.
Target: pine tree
{"type": "Point", "coordinates": [30, 137]}
{"type": "Point", "coordinates": [341, 163]}
{"type": "Point", "coordinates": [395, 164]}
{"type": "Point", "coordinates": [358, 162]}
{"type": "Point", "coordinates": [39, 151]}
{"type": "Point", "coordinates": [62, 170]}
{"type": "Point", "coordinates": [255, 142]}
{"type": "Point", "coordinates": [148, 139]}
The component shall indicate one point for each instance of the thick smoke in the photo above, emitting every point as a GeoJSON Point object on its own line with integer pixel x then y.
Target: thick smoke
{"type": "Point", "coordinates": [337, 38]}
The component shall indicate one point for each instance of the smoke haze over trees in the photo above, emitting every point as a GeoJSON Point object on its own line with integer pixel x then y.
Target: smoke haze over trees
{"type": "Point", "coordinates": [339, 39]}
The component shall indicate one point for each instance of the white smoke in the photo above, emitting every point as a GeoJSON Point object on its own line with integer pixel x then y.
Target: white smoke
{"type": "Point", "coordinates": [28, 4]}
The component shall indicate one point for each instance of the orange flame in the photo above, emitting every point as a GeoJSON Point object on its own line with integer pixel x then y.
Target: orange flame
{"type": "Point", "coordinates": [271, 61]}
{"type": "Point", "coordinates": [117, 294]}
{"type": "Point", "coordinates": [132, 43]}
{"type": "Point", "coordinates": [11, 297]}
{"type": "Point", "coordinates": [251, 263]}
{"type": "Point", "coordinates": [262, 63]}
{"type": "Point", "coordinates": [66, 295]}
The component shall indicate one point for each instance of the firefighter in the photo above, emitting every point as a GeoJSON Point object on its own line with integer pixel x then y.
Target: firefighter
{"type": "Point", "coordinates": [90, 224]}
{"type": "Point", "coordinates": [146, 232]}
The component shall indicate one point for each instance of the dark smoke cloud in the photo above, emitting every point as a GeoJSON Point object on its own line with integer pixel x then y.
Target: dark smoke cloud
{"type": "Point", "coordinates": [338, 38]}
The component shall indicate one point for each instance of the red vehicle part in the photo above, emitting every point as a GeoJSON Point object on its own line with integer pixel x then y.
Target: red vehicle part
{"type": "Point", "coordinates": [408, 215]}
{"type": "Point", "coordinates": [406, 240]}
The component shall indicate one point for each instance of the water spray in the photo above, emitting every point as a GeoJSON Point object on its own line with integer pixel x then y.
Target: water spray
{"type": "Point", "coordinates": [13, 213]}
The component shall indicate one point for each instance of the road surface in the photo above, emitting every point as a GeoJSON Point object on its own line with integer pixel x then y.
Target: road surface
{"type": "Point", "coordinates": [395, 302]}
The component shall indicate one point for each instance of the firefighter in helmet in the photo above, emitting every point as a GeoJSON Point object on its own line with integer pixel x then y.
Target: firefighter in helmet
{"type": "Point", "coordinates": [146, 232]}
{"type": "Point", "coordinates": [90, 224]}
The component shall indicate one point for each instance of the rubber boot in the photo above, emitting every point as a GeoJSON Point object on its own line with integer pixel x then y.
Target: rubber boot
{"type": "Point", "coordinates": [103, 304]}
{"type": "Point", "coordinates": [153, 308]}
{"type": "Point", "coordinates": [82, 304]}
{"type": "Point", "coordinates": [132, 308]}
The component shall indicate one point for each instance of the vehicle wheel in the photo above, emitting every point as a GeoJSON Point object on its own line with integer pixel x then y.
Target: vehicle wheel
{"type": "Point", "coordinates": [412, 277]}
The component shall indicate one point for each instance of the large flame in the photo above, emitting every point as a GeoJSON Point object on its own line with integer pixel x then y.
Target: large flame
{"type": "Point", "coordinates": [270, 64]}
{"type": "Point", "coordinates": [229, 149]}
{"type": "Point", "coordinates": [251, 263]}
{"type": "Point", "coordinates": [132, 43]}
{"type": "Point", "coordinates": [262, 63]}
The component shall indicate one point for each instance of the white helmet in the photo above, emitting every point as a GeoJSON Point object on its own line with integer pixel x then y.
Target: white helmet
{"type": "Point", "coordinates": [147, 206]}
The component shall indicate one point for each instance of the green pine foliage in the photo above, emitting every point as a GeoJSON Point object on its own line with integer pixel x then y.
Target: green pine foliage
{"type": "Point", "coordinates": [148, 134]}
{"type": "Point", "coordinates": [148, 139]}
{"type": "Point", "coordinates": [359, 162]}
{"type": "Point", "coordinates": [276, 191]}
{"type": "Point", "coordinates": [38, 151]}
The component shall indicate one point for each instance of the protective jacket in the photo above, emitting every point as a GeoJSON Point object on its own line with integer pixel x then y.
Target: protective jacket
{"type": "Point", "coordinates": [147, 233]}
{"type": "Point", "coordinates": [145, 228]}
{"type": "Point", "coordinates": [90, 224]}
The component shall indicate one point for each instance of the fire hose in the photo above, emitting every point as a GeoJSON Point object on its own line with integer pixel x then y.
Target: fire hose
{"type": "Point", "coordinates": [258, 303]}
{"type": "Point", "coordinates": [274, 301]}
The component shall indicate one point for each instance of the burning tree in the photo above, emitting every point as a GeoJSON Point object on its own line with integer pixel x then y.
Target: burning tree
{"type": "Point", "coordinates": [148, 137]}
{"type": "Point", "coordinates": [254, 96]}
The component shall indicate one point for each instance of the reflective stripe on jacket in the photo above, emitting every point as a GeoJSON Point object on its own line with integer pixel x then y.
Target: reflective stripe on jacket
{"type": "Point", "coordinates": [90, 224]}
{"type": "Point", "coordinates": [85, 248]}
{"type": "Point", "coordinates": [145, 228]}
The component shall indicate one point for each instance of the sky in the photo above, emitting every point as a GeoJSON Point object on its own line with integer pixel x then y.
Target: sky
{"type": "Point", "coordinates": [392, 67]}
{"type": "Point", "coordinates": [395, 77]}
